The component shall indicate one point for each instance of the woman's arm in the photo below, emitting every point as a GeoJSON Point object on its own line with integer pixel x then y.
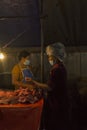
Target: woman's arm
{"type": "Point", "coordinates": [41, 85]}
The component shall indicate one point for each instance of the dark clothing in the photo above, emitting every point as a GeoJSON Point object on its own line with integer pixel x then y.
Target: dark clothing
{"type": "Point", "coordinates": [56, 104]}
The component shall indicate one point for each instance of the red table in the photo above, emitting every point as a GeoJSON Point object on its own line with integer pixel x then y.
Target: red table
{"type": "Point", "coordinates": [21, 116]}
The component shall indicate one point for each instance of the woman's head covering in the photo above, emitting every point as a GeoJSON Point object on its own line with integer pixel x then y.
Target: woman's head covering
{"type": "Point", "coordinates": [57, 50]}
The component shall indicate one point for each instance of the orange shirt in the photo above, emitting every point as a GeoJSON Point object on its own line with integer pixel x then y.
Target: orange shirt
{"type": "Point", "coordinates": [16, 71]}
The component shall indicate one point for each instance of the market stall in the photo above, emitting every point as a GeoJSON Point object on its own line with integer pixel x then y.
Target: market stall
{"type": "Point", "coordinates": [20, 109]}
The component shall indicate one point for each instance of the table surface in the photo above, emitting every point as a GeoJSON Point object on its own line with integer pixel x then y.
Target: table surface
{"type": "Point", "coordinates": [22, 105]}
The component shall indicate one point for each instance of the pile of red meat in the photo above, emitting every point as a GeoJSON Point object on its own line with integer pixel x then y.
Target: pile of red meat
{"type": "Point", "coordinates": [22, 95]}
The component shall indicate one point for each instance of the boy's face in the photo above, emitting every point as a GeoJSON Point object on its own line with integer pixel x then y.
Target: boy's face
{"type": "Point", "coordinates": [24, 59]}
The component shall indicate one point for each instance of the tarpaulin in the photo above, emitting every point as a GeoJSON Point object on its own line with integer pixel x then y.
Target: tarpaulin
{"type": "Point", "coordinates": [21, 116]}
{"type": "Point", "coordinates": [19, 23]}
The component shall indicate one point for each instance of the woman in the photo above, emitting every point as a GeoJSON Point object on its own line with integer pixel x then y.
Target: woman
{"type": "Point", "coordinates": [21, 71]}
{"type": "Point", "coordinates": [56, 111]}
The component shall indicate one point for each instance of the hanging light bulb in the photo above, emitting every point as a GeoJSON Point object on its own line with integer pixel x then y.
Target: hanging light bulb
{"type": "Point", "coordinates": [1, 56]}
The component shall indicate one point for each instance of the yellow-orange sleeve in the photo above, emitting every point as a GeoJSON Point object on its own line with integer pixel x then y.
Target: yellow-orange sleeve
{"type": "Point", "coordinates": [16, 72]}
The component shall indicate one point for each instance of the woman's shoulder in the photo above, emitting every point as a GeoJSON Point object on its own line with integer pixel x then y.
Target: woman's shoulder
{"type": "Point", "coordinates": [58, 68]}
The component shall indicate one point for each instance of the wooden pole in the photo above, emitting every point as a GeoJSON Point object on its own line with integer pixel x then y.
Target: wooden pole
{"type": "Point", "coordinates": [42, 45]}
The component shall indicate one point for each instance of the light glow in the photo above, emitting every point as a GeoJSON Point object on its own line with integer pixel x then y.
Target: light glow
{"type": "Point", "coordinates": [2, 56]}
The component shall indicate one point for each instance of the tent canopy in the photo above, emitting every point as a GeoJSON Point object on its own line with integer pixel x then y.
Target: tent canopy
{"type": "Point", "coordinates": [19, 23]}
{"type": "Point", "coordinates": [66, 22]}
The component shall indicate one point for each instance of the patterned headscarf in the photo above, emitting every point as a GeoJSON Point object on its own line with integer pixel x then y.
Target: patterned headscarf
{"type": "Point", "coordinates": [57, 50]}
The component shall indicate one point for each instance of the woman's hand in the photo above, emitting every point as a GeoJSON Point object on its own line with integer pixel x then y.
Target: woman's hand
{"type": "Point", "coordinates": [40, 85]}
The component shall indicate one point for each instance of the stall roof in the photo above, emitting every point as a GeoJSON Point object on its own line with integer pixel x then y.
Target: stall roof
{"type": "Point", "coordinates": [65, 21]}
{"type": "Point", "coordinates": [19, 23]}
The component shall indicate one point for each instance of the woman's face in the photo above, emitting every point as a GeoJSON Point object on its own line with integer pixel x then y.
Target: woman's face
{"type": "Point", "coordinates": [52, 60]}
